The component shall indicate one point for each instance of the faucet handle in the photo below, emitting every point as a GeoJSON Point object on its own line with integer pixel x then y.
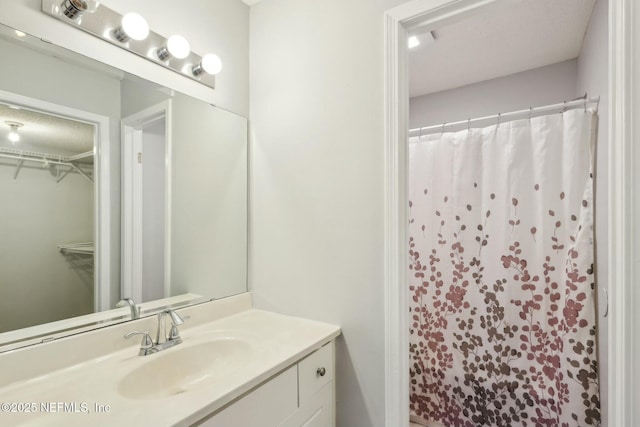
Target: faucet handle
{"type": "Point", "coordinates": [146, 343]}
{"type": "Point", "coordinates": [176, 319]}
{"type": "Point", "coordinates": [174, 333]}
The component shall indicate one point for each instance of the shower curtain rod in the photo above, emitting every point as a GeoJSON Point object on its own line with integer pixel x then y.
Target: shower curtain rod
{"type": "Point", "coordinates": [514, 115]}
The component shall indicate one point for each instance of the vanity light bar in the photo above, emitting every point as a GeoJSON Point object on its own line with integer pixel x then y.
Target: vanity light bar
{"type": "Point", "coordinates": [173, 53]}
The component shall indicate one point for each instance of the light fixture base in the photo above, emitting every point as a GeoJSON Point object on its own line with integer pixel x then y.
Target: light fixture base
{"type": "Point", "coordinates": [13, 124]}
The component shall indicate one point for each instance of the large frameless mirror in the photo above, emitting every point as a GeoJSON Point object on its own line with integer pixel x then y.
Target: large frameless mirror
{"type": "Point", "coordinates": [113, 187]}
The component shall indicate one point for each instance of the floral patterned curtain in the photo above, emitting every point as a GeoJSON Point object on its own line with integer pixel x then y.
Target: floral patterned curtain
{"type": "Point", "coordinates": [502, 311]}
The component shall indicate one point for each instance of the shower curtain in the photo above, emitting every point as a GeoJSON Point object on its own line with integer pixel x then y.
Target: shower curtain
{"type": "Point", "coordinates": [502, 310]}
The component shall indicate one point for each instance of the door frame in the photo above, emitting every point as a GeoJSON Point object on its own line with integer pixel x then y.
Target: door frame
{"type": "Point", "coordinates": [624, 205]}
{"type": "Point", "coordinates": [132, 127]}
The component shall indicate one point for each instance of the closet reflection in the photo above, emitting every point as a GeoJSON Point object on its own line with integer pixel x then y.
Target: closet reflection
{"type": "Point", "coordinates": [117, 188]}
{"type": "Point", "coordinates": [46, 180]}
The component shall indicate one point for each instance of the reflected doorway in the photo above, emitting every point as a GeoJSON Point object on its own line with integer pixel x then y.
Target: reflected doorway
{"type": "Point", "coordinates": [146, 154]}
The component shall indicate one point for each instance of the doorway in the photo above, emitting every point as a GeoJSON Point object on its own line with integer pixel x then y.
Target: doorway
{"type": "Point", "coordinates": [146, 152]}
{"type": "Point", "coordinates": [427, 15]}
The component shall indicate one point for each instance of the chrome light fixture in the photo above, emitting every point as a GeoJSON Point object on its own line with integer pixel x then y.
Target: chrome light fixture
{"type": "Point", "coordinates": [132, 33]}
{"type": "Point", "coordinates": [14, 136]}
{"type": "Point", "coordinates": [74, 9]}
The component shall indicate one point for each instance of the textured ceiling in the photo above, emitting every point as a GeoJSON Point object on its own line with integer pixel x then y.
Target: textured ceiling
{"type": "Point", "coordinates": [520, 36]}
{"type": "Point", "coordinates": [45, 133]}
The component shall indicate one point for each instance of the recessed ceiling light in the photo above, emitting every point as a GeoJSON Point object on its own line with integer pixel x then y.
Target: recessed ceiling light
{"type": "Point", "coordinates": [413, 42]}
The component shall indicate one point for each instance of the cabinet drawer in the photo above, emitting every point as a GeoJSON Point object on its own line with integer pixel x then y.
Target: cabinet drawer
{"type": "Point", "coordinates": [314, 372]}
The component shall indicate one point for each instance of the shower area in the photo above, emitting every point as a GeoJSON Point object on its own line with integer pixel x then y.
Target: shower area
{"type": "Point", "coordinates": [507, 218]}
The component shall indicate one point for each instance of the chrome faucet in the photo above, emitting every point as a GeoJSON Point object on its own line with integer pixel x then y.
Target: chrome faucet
{"type": "Point", "coordinates": [174, 335]}
{"type": "Point", "coordinates": [163, 340]}
{"type": "Point", "coordinates": [135, 310]}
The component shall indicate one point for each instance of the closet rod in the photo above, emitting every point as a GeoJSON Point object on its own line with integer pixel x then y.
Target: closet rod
{"type": "Point", "coordinates": [514, 115]}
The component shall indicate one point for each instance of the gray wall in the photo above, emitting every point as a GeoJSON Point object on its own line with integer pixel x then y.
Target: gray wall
{"type": "Point", "coordinates": [317, 169]}
{"type": "Point", "coordinates": [153, 210]}
{"type": "Point", "coordinates": [38, 284]}
{"type": "Point", "coordinates": [541, 86]}
{"type": "Point", "coordinates": [209, 200]}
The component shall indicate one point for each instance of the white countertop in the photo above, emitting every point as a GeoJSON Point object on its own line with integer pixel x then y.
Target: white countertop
{"type": "Point", "coordinates": [78, 392]}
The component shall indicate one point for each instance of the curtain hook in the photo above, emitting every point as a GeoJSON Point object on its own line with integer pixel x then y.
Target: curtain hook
{"type": "Point", "coordinates": [443, 125]}
{"type": "Point", "coordinates": [530, 112]}
{"type": "Point", "coordinates": [585, 102]}
{"type": "Point", "coordinates": [499, 116]}
{"type": "Point", "coordinates": [469, 124]}
{"type": "Point", "coordinates": [419, 134]}
{"type": "Point", "coordinates": [564, 107]}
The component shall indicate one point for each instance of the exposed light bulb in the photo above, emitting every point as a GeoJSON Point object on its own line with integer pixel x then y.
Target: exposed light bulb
{"type": "Point", "coordinates": [133, 26]}
{"type": "Point", "coordinates": [210, 64]}
{"type": "Point", "coordinates": [14, 136]}
{"type": "Point", "coordinates": [178, 46]}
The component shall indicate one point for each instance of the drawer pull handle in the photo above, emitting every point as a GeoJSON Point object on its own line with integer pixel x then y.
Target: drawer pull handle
{"type": "Point", "coordinates": [321, 372]}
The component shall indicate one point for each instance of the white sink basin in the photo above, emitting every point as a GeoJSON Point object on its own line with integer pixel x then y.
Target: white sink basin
{"type": "Point", "coordinates": [181, 369]}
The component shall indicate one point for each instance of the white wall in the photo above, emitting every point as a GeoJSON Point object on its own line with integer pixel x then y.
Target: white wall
{"type": "Point", "coordinates": [593, 78]}
{"type": "Point", "coordinates": [541, 86]}
{"type": "Point", "coordinates": [220, 26]}
{"type": "Point", "coordinates": [316, 228]}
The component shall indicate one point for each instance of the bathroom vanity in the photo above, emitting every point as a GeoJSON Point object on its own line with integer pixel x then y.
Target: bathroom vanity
{"type": "Point", "coordinates": [301, 395]}
{"type": "Point", "coordinates": [236, 366]}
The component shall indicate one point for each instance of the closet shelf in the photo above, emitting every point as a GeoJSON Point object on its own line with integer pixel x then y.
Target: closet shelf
{"type": "Point", "coordinates": [46, 159]}
{"type": "Point", "coordinates": [77, 248]}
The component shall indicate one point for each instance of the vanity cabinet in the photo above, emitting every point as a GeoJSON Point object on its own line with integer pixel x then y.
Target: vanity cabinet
{"type": "Point", "coordinates": [300, 395]}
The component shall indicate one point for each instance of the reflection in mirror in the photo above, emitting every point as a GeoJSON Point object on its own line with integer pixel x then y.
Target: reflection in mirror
{"type": "Point", "coordinates": [46, 178]}
{"type": "Point", "coordinates": [117, 188]}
